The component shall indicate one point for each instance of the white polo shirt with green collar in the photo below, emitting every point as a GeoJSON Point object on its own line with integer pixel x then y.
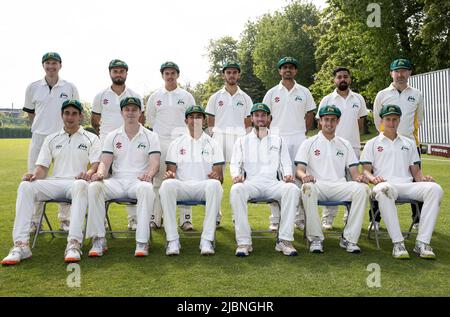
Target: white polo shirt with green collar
{"type": "Point", "coordinates": [289, 108]}
{"type": "Point", "coordinates": [325, 159]}
{"type": "Point", "coordinates": [46, 104]}
{"type": "Point", "coordinates": [391, 159]}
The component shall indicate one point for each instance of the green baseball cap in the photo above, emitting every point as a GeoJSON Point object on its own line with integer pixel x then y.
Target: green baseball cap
{"type": "Point", "coordinates": [130, 101]}
{"type": "Point", "coordinates": [401, 63]}
{"type": "Point", "coordinates": [73, 103]}
{"type": "Point", "coordinates": [390, 109]}
{"type": "Point", "coordinates": [169, 65]}
{"type": "Point", "coordinates": [117, 63]}
{"type": "Point", "coordinates": [231, 64]}
{"type": "Point", "coordinates": [260, 107]}
{"type": "Point", "coordinates": [194, 109]}
{"type": "Point", "coordinates": [51, 55]}
{"type": "Point", "coordinates": [287, 60]}
{"type": "Point", "coordinates": [329, 110]}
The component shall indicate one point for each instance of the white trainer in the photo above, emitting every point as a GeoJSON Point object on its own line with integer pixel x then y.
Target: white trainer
{"type": "Point", "coordinates": [73, 252]}
{"type": "Point", "coordinates": [173, 247]}
{"type": "Point", "coordinates": [206, 247]}
{"type": "Point", "coordinates": [98, 247]}
{"type": "Point", "coordinates": [326, 226]}
{"type": "Point", "coordinates": [33, 227]}
{"type": "Point", "coordinates": [316, 246]}
{"type": "Point", "coordinates": [300, 225]}
{"type": "Point", "coordinates": [286, 247]}
{"type": "Point", "coordinates": [218, 219]}
{"type": "Point", "coordinates": [399, 251]}
{"type": "Point", "coordinates": [141, 249]}
{"type": "Point", "coordinates": [375, 226]}
{"type": "Point", "coordinates": [273, 226]}
{"type": "Point", "coordinates": [424, 250]}
{"type": "Point", "coordinates": [132, 224]}
{"type": "Point", "coordinates": [349, 246]}
{"type": "Point", "coordinates": [64, 225]}
{"type": "Point", "coordinates": [244, 249]}
{"type": "Point", "coordinates": [20, 251]}
{"type": "Point", "coordinates": [187, 226]}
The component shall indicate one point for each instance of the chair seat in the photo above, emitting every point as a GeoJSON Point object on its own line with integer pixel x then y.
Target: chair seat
{"type": "Point", "coordinates": [334, 203]}
{"type": "Point", "coordinates": [191, 202]}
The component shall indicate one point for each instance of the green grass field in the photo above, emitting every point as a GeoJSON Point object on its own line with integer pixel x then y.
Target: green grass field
{"type": "Point", "coordinates": [264, 273]}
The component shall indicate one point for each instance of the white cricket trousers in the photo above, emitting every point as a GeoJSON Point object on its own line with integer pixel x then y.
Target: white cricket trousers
{"type": "Point", "coordinates": [357, 193]}
{"type": "Point", "coordinates": [115, 188]}
{"type": "Point", "coordinates": [287, 194]}
{"type": "Point", "coordinates": [173, 190]}
{"type": "Point", "coordinates": [293, 143]}
{"type": "Point", "coordinates": [131, 210]}
{"type": "Point", "coordinates": [31, 192]}
{"type": "Point", "coordinates": [329, 213]}
{"type": "Point", "coordinates": [185, 211]}
{"type": "Point", "coordinates": [33, 152]}
{"type": "Point", "coordinates": [226, 141]}
{"type": "Point", "coordinates": [429, 192]}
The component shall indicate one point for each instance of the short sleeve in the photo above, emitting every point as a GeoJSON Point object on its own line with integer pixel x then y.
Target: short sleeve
{"type": "Point", "coordinates": [171, 157]}
{"type": "Point", "coordinates": [75, 94]}
{"type": "Point", "coordinates": [97, 104]}
{"type": "Point", "coordinates": [367, 153]}
{"type": "Point", "coordinates": [310, 104]}
{"type": "Point", "coordinates": [302, 155]}
{"type": "Point", "coordinates": [218, 158]}
{"type": "Point", "coordinates": [96, 150]}
{"type": "Point", "coordinates": [414, 158]}
{"type": "Point", "coordinates": [211, 107]}
{"type": "Point", "coordinates": [28, 105]}
{"type": "Point", "coordinates": [363, 109]}
{"type": "Point", "coordinates": [249, 105]}
{"type": "Point", "coordinates": [108, 146]}
{"type": "Point", "coordinates": [154, 144]}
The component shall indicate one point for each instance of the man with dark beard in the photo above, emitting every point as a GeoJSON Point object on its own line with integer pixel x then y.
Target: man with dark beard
{"type": "Point", "coordinates": [353, 110]}
{"type": "Point", "coordinates": [106, 115]}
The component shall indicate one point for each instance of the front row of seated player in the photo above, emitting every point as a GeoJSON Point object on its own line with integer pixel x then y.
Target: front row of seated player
{"type": "Point", "coordinates": [260, 168]}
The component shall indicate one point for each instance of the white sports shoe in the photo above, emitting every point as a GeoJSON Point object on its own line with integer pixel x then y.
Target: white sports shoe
{"type": "Point", "coordinates": [327, 222]}
{"type": "Point", "coordinates": [218, 219]}
{"type": "Point", "coordinates": [20, 251]}
{"type": "Point", "coordinates": [98, 247]}
{"type": "Point", "coordinates": [376, 226]}
{"type": "Point", "coordinates": [415, 226]}
{"type": "Point", "coordinates": [399, 251]}
{"type": "Point", "coordinates": [173, 247]}
{"type": "Point", "coordinates": [206, 247]}
{"type": "Point", "coordinates": [244, 249]}
{"type": "Point", "coordinates": [326, 226]}
{"type": "Point", "coordinates": [349, 246]}
{"type": "Point", "coordinates": [273, 227]}
{"type": "Point", "coordinates": [187, 226]}
{"type": "Point", "coordinates": [286, 247]}
{"type": "Point", "coordinates": [73, 252]}
{"type": "Point", "coordinates": [316, 246]}
{"type": "Point", "coordinates": [33, 227]}
{"type": "Point", "coordinates": [141, 249]}
{"type": "Point", "coordinates": [300, 225]}
{"type": "Point", "coordinates": [424, 250]}
{"type": "Point", "coordinates": [132, 224]}
{"type": "Point", "coordinates": [64, 225]}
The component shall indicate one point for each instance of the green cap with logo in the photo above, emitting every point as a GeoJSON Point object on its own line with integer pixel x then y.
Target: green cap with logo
{"type": "Point", "coordinates": [194, 109]}
{"type": "Point", "coordinates": [169, 65]}
{"type": "Point", "coordinates": [231, 64]}
{"type": "Point", "coordinates": [130, 101]}
{"type": "Point", "coordinates": [287, 60]}
{"type": "Point", "coordinates": [260, 107]}
{"type": "Point", "coordinates": [329, 110]}
{"type": "Point", "coordinates": [51, 55]}
{"type": "Point", "coordinates": [401, 63]}
{"type": "Point", "coordinates": [72, 103]}
{"type": "Point", "coordinates": [117, 63]}
{"type": "Point", "coordinates": [390, 109]}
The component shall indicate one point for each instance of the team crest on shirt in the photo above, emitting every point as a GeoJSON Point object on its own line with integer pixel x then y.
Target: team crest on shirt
{"type": "Point", "coordinates": [380, 149]}
{"type": "Point", "coordinates": [273, 148]}
{"type": "Point", "coordinates": [355, 105]}
{"type": "Point", "coordinates": [240, 104]}
{"type": "Point", "coordinates": [317, 152]}
{"type": "Point", "coordinates": [82, 146]}
{"type": "Point", "coordinates": [277, 99]}
{"type": "Point", "coordinates": [411, 99]}
{"type": "Point", "coordinates": [180, 102]}
{"type": "Point", "coordinates": [118, 145]}
{"type": "Point", "coordinates": [105, 101]}
{"type": "Point", "coordinates": [205, 152]}
{"type": "Point", "coordinates": [220, 103]}
{"type": "Point", "coordinates": [183, 151]}
{"type": "Point", "coordinates": [339, 153]}
{"type": "Point", "coordinates": [141, 146]}
{"type": "Point", "coordinates": [158, 103]}
{"type": "Point", "coordinates": [405, 148]}
{"type": "Point", "coordinates": [63, 95]}
{"type": "Point", "coordinates": [298, 98]}
{"type": "Point", "coordinates": [58, 146]}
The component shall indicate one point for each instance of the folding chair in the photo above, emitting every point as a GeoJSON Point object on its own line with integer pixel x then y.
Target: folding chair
{"type": "Point", "coordinates": [44, 215]}
{"type": "Point", "coordinates": [397, 202]}
{"type": "Point", "coordinates": [119, 201]}
{"type": "Point", "coordinates": [263, 201]}
{"type": "Point", "coordinates": [335, 203]}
